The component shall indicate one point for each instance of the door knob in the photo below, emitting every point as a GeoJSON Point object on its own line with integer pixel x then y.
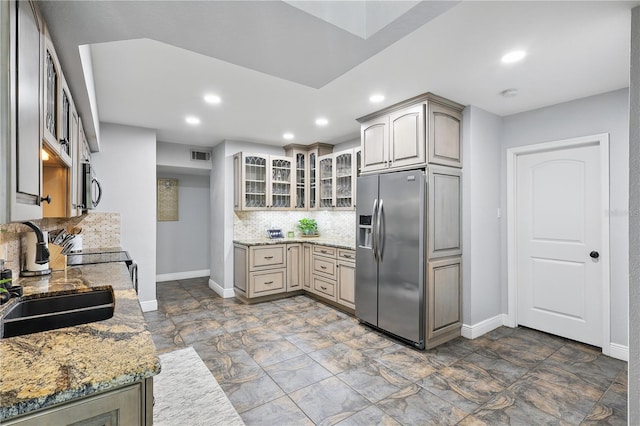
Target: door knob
{"type": "Point", "coordinates": [594, 254]}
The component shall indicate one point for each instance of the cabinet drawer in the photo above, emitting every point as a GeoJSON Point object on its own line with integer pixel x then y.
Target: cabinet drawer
{"type": "Point", "coordinates": [347, 255]}
{"type": "Point", "coordinates": [267, 257]}
{"type": "Point", "coordinates": [324, 266]}
{"type": "Point", "coordinates": [267, 282]}
{"type": "Point", "coordinates": [324, 251]}
{"type": "Point", "coordinates": [324, 287]}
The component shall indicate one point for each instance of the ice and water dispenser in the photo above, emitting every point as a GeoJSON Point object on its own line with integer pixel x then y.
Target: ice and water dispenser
{"type": "Point", "coordinates": [364, 231]}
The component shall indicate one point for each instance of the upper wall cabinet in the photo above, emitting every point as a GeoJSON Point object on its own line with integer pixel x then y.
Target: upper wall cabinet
{"type": "Point", "coordinates": [43, 125]}
{"type": "Point", "coordinates": [337, 175]}
{"type": "Point", "coordinates": [57, 105]}
{"type": "Point", "coordinates": [421, 130]}
{"type": "Point", "coordinates": [263, 182]}
{"type": "Point", "coordinates": [305, 158]}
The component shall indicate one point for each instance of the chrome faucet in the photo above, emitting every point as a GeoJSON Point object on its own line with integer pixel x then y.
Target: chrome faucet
{"type": "Point", "coordinates": [42, 251]}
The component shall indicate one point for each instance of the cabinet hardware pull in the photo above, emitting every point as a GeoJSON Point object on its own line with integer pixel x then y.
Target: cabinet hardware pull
{"type": "Point", "coordinates": [47, 199]}
{"type": "Point", "coordinates": [268, 257]}
{"type": "Point", "coordinates": [268, 282]}
{"type": "Point", "coordinates": [323, 251]}
{"type": "Point", "coordinates": [323, 267]}
{"type": "Point", "coordinates": [323, 287]}
{"type": "Point", "coordinates": [348, 256]}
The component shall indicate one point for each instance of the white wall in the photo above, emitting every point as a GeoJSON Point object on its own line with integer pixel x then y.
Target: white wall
{"type": "Point", "coordinates": [179, 156]}
{"type": "Point", "coordinates": [183, 245]}
{"type": "Point", "coordinates": [222, 210]}
{"type": "Point", "coordinates": [355, 143]}
{"type": "Point", "coordinates": [481, 289]}
{"type": "Point", "coordinates": [634, 222]}
{"type": "Point", "coordinates": [126, 168]}
{"type": "Point", "coordinates": [605, 113]}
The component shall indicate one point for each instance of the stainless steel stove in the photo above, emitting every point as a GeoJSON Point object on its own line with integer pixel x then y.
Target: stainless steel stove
{"type": "Point", "coordinates": [91, 256]}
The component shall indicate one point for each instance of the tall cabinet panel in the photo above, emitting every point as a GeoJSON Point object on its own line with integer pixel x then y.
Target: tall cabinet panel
{"type": "Point", "coordinates": [445, 212]}
{"type": "Point", "coordinates": [444, 136]}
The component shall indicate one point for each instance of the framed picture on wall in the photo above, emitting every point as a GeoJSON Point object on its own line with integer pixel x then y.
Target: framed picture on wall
{"type": "Point", "coordinates": [167, 199]}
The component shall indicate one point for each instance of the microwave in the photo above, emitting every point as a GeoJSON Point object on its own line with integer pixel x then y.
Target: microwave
{"type": "Point", "coordinates": [91, 189]}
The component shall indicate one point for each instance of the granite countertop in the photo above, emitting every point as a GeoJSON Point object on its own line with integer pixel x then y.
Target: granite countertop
{"type": "Point", "coordinates": [323, 241]}
{"type": "Point", "coordinates": [51, 367]}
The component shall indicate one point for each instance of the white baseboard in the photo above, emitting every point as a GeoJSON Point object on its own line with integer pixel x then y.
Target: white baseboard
{"type": "Point", "coordinates": [476, 330]}
{"type": "Point", "coordinates": [149, 305]}
{"type": "Point", "coordinates": [182, 275]}
{"type": "Point", "coordinates": [222, 292]}
{"type": "Point", "coordinates": [619, 351]}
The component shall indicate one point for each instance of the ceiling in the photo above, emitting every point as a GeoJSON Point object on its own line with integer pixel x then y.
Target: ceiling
{"type": "Point", "coordinates": [280, 65]}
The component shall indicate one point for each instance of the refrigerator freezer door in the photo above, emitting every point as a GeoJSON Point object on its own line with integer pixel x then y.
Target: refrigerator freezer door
{"type": "Point", "coordinates": [366, 264]}
{"type": "Point", "coordinates": [401, 250]}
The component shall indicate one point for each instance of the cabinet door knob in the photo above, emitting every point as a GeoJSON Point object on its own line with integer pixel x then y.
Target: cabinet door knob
{"type": "Point", "coordinates": [47, 199]}
{"type": "Point", "coordinates": [594, 254]}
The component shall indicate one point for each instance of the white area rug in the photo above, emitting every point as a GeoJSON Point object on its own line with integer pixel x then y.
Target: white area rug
{"type": "Point", "coordinates": [186, 393]}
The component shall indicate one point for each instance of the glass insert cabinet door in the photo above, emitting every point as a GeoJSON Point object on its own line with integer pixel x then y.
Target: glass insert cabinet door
{"type": "Point", "coordinates": [300, 181]}
{"type": "Point", "coordinates": [344, 180]}
{"type": "Point", "coordinates": [281, 177]}
{"type": "Point", "coordinates": [325, 184]}
{"type": "Point", "coordinates": [255, 182]}
{"type": "Point", "coordinates": [313, 191]}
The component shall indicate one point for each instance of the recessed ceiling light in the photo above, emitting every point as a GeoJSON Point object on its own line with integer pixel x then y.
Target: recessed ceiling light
{"type": "Point", "coordinates": [509, 93]}
{"type": "Point", "coordinates": [376, 98]}
{"type": "Point", "coordinates": [288, 136]}
{"type": "Point", "coordinates": [192, 120]}
{"type": "Point", "coordinates": [212, 99]}
{"type": "Point", "coordinates": [322, 122]}
{"type": "Point", "coordinates": [514, 56]}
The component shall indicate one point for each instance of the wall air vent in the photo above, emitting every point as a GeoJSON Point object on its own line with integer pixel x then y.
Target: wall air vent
{"type": "Point", "coordinates": [200, 155]}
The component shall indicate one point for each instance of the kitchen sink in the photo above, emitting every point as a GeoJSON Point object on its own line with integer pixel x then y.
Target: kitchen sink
{"type": "Point", "coordinates": [57, 311]}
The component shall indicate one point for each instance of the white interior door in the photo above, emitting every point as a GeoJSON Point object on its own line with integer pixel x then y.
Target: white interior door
{"type": "Point", "coordinates": [558, 241]}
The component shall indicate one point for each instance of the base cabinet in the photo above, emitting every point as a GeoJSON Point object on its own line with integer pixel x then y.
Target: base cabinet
{"type": "Point", "coordinates": [295, 267]}
{"type": "Point", "coordinates": [346, 284]}
{"type": "Point", "coordinates": [129, 405]}
{"type": "Point", "coordinates": [278, 269]}
{"type": "Point", "coordinates": [444, 309]}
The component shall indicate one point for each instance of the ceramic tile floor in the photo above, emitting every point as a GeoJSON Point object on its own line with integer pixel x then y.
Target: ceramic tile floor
{"type": "Point", "coordinates": [297, 361]}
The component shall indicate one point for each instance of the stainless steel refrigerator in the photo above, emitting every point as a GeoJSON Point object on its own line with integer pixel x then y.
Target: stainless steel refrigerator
{"type": "Point", "coordinates": [390, 253]}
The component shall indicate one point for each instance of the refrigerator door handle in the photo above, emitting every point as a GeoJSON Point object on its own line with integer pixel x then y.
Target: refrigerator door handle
{"type": "Point", "coordinates": [374, 245]}
{"type": "Point", "coordinates": [379, 231]}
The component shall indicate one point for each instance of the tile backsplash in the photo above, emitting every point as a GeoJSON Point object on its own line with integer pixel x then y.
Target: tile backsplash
{"type": "Point", "coordinates": [98, 230]}
{"type": "Point", "coordinates": [331, 224]}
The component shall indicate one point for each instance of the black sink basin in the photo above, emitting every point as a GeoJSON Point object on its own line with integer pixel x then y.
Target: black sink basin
{"type": "Point", "coordinates": [57, 311]}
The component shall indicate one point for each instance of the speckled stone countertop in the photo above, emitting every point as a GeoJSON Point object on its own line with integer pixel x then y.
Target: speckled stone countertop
{"type": "Point", "coordinates": [323, 241]}
{"type": "Point", "coordinates": [42, 369]}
